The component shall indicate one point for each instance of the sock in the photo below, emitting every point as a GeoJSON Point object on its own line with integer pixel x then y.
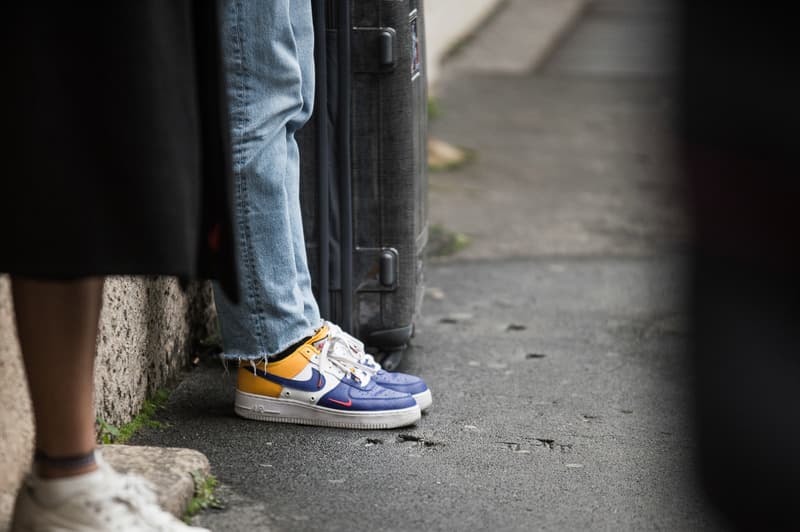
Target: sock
{"type": "Point", "coordinates": [288, 351]}
{"type": "Point", "coordinates": [52, 492]}
{"type": "Point", "coordinates": [65, 462]}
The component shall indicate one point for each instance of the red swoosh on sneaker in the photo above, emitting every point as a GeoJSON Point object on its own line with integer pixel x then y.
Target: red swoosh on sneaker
{"type": "Point", "coordinates": [348, 403]}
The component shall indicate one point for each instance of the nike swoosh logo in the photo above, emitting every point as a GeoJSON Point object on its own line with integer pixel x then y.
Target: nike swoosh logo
{"type": "Point", "coordinates": [316, 382]}
{"type": "Point", "coordinates": [348, 403]}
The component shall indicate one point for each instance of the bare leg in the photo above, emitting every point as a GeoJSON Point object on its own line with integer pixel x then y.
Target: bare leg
{"type": "Point", "coordinates": [57, 327]}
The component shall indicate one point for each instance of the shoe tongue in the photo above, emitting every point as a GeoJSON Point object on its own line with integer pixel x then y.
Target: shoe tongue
{"type": "Point", "coordinates": [343, 353]}
{"type": "Point", "coordinates": [338, 349]}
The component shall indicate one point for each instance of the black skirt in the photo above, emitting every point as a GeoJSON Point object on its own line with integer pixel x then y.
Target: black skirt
{"type": "Point", "coordinates": [115, 149]}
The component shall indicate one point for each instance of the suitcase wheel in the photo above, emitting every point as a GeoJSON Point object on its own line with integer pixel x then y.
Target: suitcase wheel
{"type": "Point", "coordinates": [391, 360]}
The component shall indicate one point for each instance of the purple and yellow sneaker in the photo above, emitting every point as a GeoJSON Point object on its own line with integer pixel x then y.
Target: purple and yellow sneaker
{"type": "Point", "coordinates": [315, 386]}
{"type": "Point", "coordinates": [356, 355]}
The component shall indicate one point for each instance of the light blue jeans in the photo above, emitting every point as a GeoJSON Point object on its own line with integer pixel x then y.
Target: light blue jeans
{"type": "Point", "coordinates": [268, 48]}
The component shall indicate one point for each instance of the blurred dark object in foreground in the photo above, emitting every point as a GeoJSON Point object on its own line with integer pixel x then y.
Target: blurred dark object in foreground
{"type": "Point", "coordinates": [740, 127]}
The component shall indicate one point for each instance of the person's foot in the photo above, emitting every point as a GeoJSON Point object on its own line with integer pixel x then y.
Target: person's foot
{"type": "Point", "coordinates": [314, 385]}
{"type": "Point", "coordinates": [393, 380]}
{"type": "Point", "coordinates": [100, 501]}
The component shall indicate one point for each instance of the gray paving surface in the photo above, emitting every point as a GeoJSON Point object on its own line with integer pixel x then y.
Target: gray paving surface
{"type": "Point", "coordinates": [620, 38]}
{"type": "Point", "coordinates": [572, 420]}
{"type": "Point", "coordinates": [517, 35]}
{"type": "Point", "coordinates": [553, 344]}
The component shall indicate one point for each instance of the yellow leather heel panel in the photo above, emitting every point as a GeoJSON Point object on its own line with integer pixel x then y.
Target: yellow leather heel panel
{"type": "Point", "coordinates": [293, 364]}
{"type": "Point", "coordinates": [249, 383]}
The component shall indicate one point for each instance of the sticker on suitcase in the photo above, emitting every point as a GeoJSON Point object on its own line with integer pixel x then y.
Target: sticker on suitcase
{"type": "Point", "coordinates": [416, 53]}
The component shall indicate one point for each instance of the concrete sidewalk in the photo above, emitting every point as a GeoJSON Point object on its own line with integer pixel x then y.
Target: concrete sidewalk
{"type": "Point", "coordinates": [553, 344]}
{"type": "Point", "coordinates": [450, 24]}
{"type": "Point", "coordinates": [530, 28]}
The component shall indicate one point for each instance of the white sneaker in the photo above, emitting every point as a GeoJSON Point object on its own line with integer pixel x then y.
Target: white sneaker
{"type": "Point", "coordinates": [316, 386]}
{"type": "Point", "coordinates": [100, 501]}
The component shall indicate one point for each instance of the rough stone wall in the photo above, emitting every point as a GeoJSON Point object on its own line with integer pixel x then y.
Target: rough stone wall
{"type": "Point", "coordinates": [148, 330]}
{"type": "Point", "coordinates": [16, 430]}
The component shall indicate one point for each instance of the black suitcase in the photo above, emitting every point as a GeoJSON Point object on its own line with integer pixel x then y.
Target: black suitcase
{"type": "Point", "coordinates": [364, 169]}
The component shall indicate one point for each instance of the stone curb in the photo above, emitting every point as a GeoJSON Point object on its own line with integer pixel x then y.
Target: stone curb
{"type": "Point", "coordinates": [449, 22]}
{"type": "Point", "coordinates": [169, 469]}
{"type": "Point", "coordinates": [530, 30]}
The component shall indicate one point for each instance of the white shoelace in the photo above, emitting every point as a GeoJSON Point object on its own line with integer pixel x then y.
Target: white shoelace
{"type": "Point", "coordinates": [353, 353]}
{"type": "Point", "coordinates": [337, 351]}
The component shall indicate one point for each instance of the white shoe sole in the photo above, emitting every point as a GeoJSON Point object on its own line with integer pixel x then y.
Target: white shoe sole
{"type": "Point", "coordinates": [261, 408]}
{"type": "Point", "coordinates": [424, 399]}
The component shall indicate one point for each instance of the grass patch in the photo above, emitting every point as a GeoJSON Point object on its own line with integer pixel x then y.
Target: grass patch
{"type": "Point", "coordinates": [213, 342]}
{"type": "Point", "coordinates": [434, 108]}
{"type": "Point", "coordinates": [204, 498]}
{"type": "Point", "coordinates": [442, 242]}
{"type": "Point", "coordinates": [107, 433]}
